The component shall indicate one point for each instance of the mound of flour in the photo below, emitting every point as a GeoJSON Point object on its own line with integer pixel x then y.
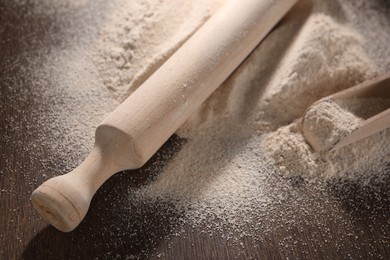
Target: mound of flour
{"type": "Point", "coordinates": [325, 57]}
{"type": "Point", "coordinates": [302, 148]}
{"type": "Point", "coordinates": [326, 123]}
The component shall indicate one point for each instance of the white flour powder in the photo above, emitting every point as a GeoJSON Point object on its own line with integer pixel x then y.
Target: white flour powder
{"type": "Point", "coordinates": [301, 148]}
{"type": "Point", "coordinates": [139, 36]}
{"type": "Point", "coordinates": [325, 123]}
{"type": "Point", "coordinates": [324, 58]}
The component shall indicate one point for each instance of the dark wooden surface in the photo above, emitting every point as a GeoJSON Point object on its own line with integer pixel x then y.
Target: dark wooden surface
{"type": "Point", "coordinates": [347, 220]}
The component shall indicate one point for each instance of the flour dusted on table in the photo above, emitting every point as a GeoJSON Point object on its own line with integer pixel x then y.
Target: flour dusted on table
{"type": "Point", "coordinates": [248, 135]}
{"type": "Point", "coordinates": [100, 60]}
{"type": "Point", "coordinates": [139, 36]}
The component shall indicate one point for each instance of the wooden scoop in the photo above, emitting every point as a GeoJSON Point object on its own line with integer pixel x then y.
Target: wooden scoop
{"type": "Point", "coordinates": [338, 120]}
{"type": "Point", "coordinates": [379, 88]}
{"type": "Point", "coordinates": [142, 123]}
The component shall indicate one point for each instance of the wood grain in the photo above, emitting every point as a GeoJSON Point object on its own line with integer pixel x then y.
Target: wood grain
{"type": "Point", "coordinates": [346, 221]}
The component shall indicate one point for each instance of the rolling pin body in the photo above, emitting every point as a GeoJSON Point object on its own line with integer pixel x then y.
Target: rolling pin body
{"type": "Point", "coordinates": [136, 129]}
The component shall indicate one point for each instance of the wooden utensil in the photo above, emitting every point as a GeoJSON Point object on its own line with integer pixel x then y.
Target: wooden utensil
{"type": "Point", "coordinates": [143, 122]}
{"type": "Point", "coordinates": [379, 88]}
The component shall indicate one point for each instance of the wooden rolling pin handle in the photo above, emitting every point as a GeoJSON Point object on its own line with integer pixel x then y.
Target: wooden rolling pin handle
{"type": "Point", "coordinates": [63, 201]}
{"type": "Point", "coordinates": [137, 128]}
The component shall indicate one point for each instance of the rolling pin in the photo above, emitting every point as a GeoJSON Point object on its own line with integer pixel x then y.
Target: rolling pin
{"type": "Point", "coordinates": [138, 127]}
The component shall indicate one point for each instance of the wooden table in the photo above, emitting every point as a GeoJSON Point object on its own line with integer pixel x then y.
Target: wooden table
{"type": "Point", "coordinates": [346, 220]}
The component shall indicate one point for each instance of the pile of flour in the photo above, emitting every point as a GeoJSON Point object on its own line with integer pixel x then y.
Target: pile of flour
{"type": "Point", "coordinates": [303, 147]}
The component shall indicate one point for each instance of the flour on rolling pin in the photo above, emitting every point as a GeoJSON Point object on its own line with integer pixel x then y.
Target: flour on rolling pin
{"type": "Point", "coordinates": [135, 130]}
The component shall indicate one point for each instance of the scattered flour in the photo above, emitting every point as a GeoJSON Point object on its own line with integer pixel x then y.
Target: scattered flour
{"type": "Point", "coordinates": [246, 136]}
{"type": "Point", "coordinates": [226, 176]}
{"type": "Point", "coordinates": [99, 61]}
{"type": "Point", "coordinates": [367, 17]}
{"type": "Point", "coordinates": [140, 35]}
